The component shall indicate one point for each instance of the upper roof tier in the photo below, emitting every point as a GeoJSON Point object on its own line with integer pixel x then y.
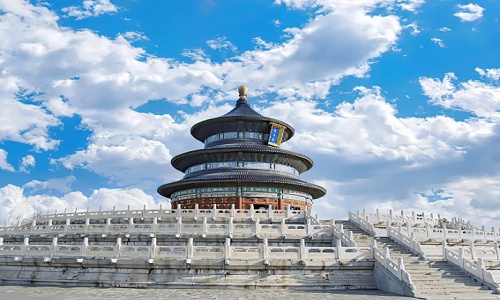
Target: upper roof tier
{"type": "Point", "coordinates": [241, 118]}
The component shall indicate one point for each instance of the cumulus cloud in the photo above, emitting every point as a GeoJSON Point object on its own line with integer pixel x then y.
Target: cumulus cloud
{"type": "Point", "coordinates": [465, 186]}
{"type": "Point", "coordinates": [489, 73]}
{"type": "Point", "coordinates": [444, 29]}
{"type": "Point", "coordinates": [20, 121]}
{"type": "Point", "coordinates": [477, 97]}
{"type": "Point", "coordinates": [4, 165]}
{"type": "Point", "coordinates": [102, 80]}
{"type": "Point", "coordinates": [90, 8]}
{"type": "Point", "coordinates": [125, 159]}
{"type": "Point", "coordinates": [470, 12]}
{"type": "Point", "coordinates": [410, 5]}
{"type": "Point", "coordinates": [14, 202]}
{"type": "Point", "coordinates": [472, 197]}
{"type": "Point", "coordinates": [368, 157]}
{"type": "Point", "coordinates": [369, 130]}
{"type": "Point", "coordinates": [363, 143]}
{"type": "Point", "coordinates": [26, 162]}
{"type": "Point", "coordinates": [329, 48]}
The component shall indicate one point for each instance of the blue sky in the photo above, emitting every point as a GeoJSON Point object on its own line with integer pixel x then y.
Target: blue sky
{"type": "Point", "coordinates": [396, 101]}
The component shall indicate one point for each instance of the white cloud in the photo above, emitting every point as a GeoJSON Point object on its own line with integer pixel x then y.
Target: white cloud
{"type": "Point", "coordinates": [329, 48]}
{"type": "Point", "coordinates": [489, 73]}
{"type": "Point", "coordinates": [467, 187]}
{"type": "Point", "coordinates": [439, 42]}
{"type": "Point", "coordinates": [414, 28]}
{"type": "Point", "coordinates": [479, 98]}
{"type": "Point", "coordinates": [474, 198]}
{"type": "Point", "coordinates": [367, 156]}
{"type": "Point", "coordinates": [62, 185]}
{"type": "Point", "coordinates": [101, 80]}
{"type": "Point", "coordinates": [23, 122]}
{"type": "Point", "coordinates": [14, 202]}
{"type": "Point", "coordinates": [368, 129]}
{"type": "Point", "coordinates": [410, 5]}
{"type": "Point", "coordinates": [221, 43]}
{"type": "Point", "coordinates": [263, 45]}
{"type": "Point", "coordinates": [360, 144]}
{"type": "Point", "coordinates": [325, 5]}
{"type": "Point", "coordinates": [470, 12]}
{"type": "Point", "coordinates": [300, 4]}
{"type": "Point", "coordinates": [133, 36]}
{"type": "Point", "coordinates": [444, 29]}
{"type": "Point", "coordinates": [4, 165]}
{"type": "Point", "coordinates": [436, 88]}
{"type": "Point", "coordinates": [26, 162]}
{"type": "Point", "coordinates": [108, 70]}
{"type": "Point", "coordinates": [90, 8]}
{"type": "Point", "coordinates": [124, 159]}
{"type": "Point", "coordinates": [195, 54]}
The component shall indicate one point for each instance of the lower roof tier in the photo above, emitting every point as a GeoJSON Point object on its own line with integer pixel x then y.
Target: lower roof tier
{"type": "Point", "coordinates": [242, 178]}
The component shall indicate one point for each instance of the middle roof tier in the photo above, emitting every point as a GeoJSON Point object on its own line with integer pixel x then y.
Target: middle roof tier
{"type": "Point", "coordinates": [242, 152]}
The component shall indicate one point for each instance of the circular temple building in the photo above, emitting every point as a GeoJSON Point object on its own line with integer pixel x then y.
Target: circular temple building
{"type": "Point", "coordinates": [242, 164]}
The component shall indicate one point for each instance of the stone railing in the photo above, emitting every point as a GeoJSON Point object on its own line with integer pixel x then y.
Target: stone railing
{"type": "Point", "coordinates": [179, 228]}
{"type": "Point", "coordinates": [475, 252]}
{"type": "Point", "coordinates": [395, 268]}
{"type": "Point", "coordinates": [339, 233]}
{"type": "Point", "coordinates": [476, 234]}
{"type": "Point", "coordinates": [161, 213]}
{"type": "Point", "coordinates": [416, 220]}
{"type": "Point", "coordinates": [421, 237]}
{"type": "Point", "coordinates": [409, 241]}
{"type": "Point", "coordinates": [366, 225]}
{"type": "Point", "coordinates": [411, 218]}
{"type": "Point", "coordinates": [434, 251]}
{"type": "Point", "coordinates": [477, 269]}
{"type": "Point", "coordinates": [188, 251]}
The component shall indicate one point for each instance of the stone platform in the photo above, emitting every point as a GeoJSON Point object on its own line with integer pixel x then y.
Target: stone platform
{"type": "Point", "coordinates": [233, 249]}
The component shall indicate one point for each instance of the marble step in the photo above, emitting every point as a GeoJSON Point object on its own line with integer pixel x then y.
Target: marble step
{"type": "Point", "coordinates": [466, 281]}
{"type": "Point", "coordinates": [451, 292]}
{"type": "Point", "coordinates": [453, 288]}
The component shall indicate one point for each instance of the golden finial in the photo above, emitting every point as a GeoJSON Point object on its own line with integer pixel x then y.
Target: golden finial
{"type": "Point", "coordinates": [243, 90]}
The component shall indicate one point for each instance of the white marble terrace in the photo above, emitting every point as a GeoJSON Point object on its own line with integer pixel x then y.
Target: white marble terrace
{"type": "Point", "coordinates": [304, 238]}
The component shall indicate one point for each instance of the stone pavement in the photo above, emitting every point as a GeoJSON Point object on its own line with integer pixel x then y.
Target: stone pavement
{"type": "Point", "coordinates": [58, 293]}
{"type": "Point", "coordinates": [78, 293]}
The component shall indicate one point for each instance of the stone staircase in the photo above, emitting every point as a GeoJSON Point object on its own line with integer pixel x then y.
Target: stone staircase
{"type": "Point", "coordinates": [361, 238]}
{"type": "Point", "coordinates": [432, 278]}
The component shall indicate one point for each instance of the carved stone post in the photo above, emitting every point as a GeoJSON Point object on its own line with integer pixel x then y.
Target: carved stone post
{"type": "Point", "coordinates": [153, 248]}
{"type": "Point", "coordinates": [256, 227]}
{"type": "Point", "coordinates": [204, 227]}
{"type": "Point", "coordinates": [265, 250]}
{"type": "Point", "coordinates": [283, 228]}
{"type": "Point", "coordinates": [303, 252]}
{"type": "Point", "coordinates": [227, 250]}
{"type": "Point", "coordinates": [178, 228]}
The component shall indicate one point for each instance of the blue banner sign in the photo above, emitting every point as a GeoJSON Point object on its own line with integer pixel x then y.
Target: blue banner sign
{"type": "Point", "coordinates": [276, 134]}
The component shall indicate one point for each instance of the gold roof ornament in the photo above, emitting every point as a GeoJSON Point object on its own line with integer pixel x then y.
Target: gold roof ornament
{"type": "Point", "coordinates": [243, 90]}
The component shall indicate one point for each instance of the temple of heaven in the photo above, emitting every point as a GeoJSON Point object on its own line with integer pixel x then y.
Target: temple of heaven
{"type": "Point", "coordinates": [242, 164]}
